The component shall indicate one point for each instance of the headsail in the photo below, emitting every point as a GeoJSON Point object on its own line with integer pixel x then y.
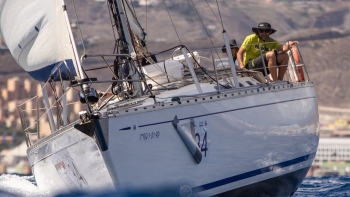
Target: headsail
{"type": "Point", "coordinates": [137, 32]}
{"type": "Point", "coordinates": [135, 26]}
{"type": "Point", "coordinates": [37, 35]}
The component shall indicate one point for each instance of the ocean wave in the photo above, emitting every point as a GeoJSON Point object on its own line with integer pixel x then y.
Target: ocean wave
{"type": "Point", "coordinates": [25, 186]}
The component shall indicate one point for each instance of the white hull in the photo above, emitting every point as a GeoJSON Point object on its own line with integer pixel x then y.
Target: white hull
{"type": "Point", "coordinates": [253, 135]}
{"type": "Point", "coordinates": [221, 131]}
{"type": "Point", "coordinates": [72, 161]}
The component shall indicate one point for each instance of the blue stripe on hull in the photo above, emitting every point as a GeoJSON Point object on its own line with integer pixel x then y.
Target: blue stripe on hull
{"type": "Point", "coordinates": [43, 74]}
{"type": "Point", "coordinates": [250, 174]}
{"type": "Point", "coordinates": [284, 185]}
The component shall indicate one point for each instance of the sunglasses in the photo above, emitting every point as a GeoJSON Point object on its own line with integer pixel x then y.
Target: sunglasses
{"type": "Point", "coordinates": [264, 30]}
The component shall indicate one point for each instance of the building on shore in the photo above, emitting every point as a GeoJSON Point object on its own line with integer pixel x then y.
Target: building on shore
{"type": "Point", "coordinates": [23, 94]}
{"type": "Point", "coordinates": [332, 157]}
{"type": "Point", "coordinates": [333, 153]}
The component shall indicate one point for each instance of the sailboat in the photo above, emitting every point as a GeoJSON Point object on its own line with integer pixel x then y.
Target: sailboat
{"type": "Point", "coordinates": [210, 131]}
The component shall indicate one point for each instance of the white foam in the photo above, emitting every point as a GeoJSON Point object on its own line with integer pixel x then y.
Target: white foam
{"type": "Point", "coordinates": [20, 186]}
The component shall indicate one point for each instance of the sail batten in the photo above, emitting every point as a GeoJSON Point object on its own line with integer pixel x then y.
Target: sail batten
{"type": "Point", "coordinates": [37, 36]}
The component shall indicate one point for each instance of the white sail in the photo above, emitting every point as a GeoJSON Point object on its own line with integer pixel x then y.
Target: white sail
{"type": "Point", "coordinates": [134, 24]}
{"type": "Point", "coordinates": [37, 36]}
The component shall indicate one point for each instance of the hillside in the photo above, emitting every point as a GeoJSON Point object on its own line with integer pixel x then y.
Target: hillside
{"type": "Point", "coordinates": [322, 27]}
{"type": "Point", "coordinates": [238, 17]}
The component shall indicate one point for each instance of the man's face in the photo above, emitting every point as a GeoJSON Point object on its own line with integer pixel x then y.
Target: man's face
{"type": "Point", "coordinates": [264, 33]}
{"type": "Point", "coordinates": [234, 52]}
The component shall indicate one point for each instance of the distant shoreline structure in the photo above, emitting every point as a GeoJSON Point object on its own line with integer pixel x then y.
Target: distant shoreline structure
{"type": "Point", "coordinates": [334, 109]}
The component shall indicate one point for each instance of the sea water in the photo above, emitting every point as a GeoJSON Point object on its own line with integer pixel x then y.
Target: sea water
{"type": "Point", "coordinates": [331, 186]}
{"type": "Point", "coordinates": [18, 186]}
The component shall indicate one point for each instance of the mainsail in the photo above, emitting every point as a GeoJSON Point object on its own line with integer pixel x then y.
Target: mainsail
{"type": "Point", "coordinates": [37, 34]}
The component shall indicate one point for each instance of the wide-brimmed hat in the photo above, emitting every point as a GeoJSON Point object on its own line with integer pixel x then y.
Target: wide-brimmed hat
{"type": "Point", "coordinates": [233, 44]}
{"type": "Point", "coordinates": [263, 25]}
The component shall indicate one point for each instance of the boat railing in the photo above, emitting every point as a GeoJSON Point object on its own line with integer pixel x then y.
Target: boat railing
{"type": "Point", "coordinates": [204, 62]}
{"type": "Point", "coordinates": [296, 66]}
{"type": "Point", "coordinates": [212, 60]}
{"type": "Point", "coordinates": [64, 106]}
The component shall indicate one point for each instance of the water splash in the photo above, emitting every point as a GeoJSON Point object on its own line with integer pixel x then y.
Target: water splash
{"type": "Point", "coordinates": [21, 186]}
{"type": "Point", "coordinates": [25, 186]}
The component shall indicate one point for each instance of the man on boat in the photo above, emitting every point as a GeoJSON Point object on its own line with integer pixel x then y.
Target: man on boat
{"type": "Point", "coordinates": [272, 52]}
{"type": "Point", "coordinates": [243, 71]}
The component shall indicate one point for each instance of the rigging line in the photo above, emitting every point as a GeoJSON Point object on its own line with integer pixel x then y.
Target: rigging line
{"type": "Point", "coordinates": [133, 13]}
{"type": "Point", "coordinates": [76, 18]}
{"type": "Point", "coordinates": [167, 50]}
{"type": "Point", "coordinates": [129, 28]}
{"type": "Point", "coordinates": [172, 22]}
{"type": "Point", "coordinates": [133, 8]}
{"type": "Point", "coordinates": [46, 110]}
{"type": "Point", "coordinates": [203, 68]}
{"type": "Point", "coordinates": [114, 23]}
{"type": "Point", "coordinates": [135, 19]}
{"type": "Point", "coordinates": [58, 103]}
{"type": "Point", "coordinates": [222, 24]}
{"type": "Point", "coordinates": [105, 102]}
{"type": "Point", "coordinates": [114, 75]}
{"type": "Point", "coordinates": [146, 15]}
{"type": "Point", "coordinates": [207, 35]}
{"type": "Point", "coordinates": [213, 12]}
{"type": "Point", "coordinates": [110, 17]}
{"type": "Point", "coordinates": [134, 38]}
{"type": "Point", "coordinates": [64, 92]}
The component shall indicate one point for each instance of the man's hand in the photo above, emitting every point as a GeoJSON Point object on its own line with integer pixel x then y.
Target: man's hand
{"type": "Point", "coordinates": [288, 45]}
{"type": "Point", "coordinates": [291, 43]}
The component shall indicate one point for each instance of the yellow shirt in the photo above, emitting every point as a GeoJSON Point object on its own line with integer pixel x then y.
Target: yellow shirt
{"type": "Point", "coordinates": [250, 44]}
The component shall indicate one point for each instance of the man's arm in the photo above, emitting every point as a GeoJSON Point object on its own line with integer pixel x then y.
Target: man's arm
{"type": "Point", "coordinates": [240, 53]}
{"type": "Point", "coordinates": [286, 47]}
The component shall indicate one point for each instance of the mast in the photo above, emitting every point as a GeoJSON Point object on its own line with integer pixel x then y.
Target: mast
{"type": "Point", "coordinates": [123, 26]}
{"type": "Point", "coordinates": [77, 66]}
{"type": "Point", "coordinates": [233, 67]}
{"type": "Point", "coordinates": [121, 22]}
